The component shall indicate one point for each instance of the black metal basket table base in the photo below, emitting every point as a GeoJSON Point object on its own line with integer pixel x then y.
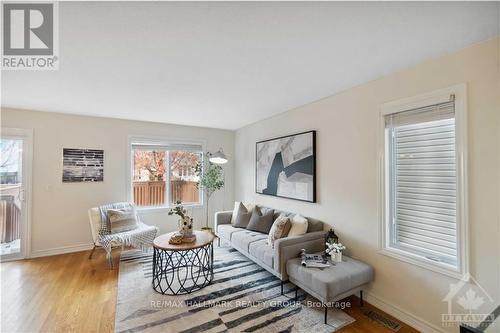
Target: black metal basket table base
{"type": "Point", "coordinates": [182, 268]}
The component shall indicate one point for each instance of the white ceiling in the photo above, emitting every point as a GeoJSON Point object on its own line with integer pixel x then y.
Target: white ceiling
{"type": "Point", "coordinates": [226, 65]}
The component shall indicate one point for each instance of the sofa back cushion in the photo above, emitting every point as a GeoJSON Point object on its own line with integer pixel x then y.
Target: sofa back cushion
{"type": "Point", "coordinates": [261, 222]}
{"type": "Point", "coordinates": [312, 223]}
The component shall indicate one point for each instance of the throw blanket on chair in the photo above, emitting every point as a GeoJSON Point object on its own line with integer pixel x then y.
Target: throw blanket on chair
{"type": "Point", "coordinates": [142, 237]}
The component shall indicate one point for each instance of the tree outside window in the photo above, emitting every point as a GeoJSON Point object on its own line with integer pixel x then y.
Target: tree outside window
{"type": "Point", "coordinates": [161, 178]}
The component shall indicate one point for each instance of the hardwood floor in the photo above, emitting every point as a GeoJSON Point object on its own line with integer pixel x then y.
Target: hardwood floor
{"type": "Point", "coordinates": [364, 324]}
{"type": "Point", "coordinates": [69, 293]}
{"type": "Point", "coordinates": [64, 293]}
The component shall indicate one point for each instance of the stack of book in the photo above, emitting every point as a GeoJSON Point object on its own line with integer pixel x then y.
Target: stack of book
{"type": "Point", "coordinates": [179, 238]}
{"type": "Point", "coordinates": [189, 238]}
{"type": "Point", "coordinates": [313, 260]}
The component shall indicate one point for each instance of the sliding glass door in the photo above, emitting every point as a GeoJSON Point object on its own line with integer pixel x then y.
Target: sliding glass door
{"type": "Point", "coordinates": [15, 168]}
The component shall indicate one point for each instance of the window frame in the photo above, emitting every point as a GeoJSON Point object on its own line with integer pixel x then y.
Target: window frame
{"type": "Point", "coordinates": [385, 248]}
{"type": "Point", "coordinates": [154, 139]}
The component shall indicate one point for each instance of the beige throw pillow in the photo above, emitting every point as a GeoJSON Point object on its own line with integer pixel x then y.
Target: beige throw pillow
{"type": "Point", "coordinates": [122, 220]}
{"type": "Point", "coordinates": [236, 209]}
{"type": "Point", "coordinates": [240, 213]}
{"type": "Point", "coordinates": [299, 225]}
{"type": "Point", "coordinates": [280, 229]}
{"type": "Point", "coordinates": [242, 219]}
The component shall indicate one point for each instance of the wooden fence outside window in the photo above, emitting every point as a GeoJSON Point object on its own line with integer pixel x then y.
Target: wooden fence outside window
{"type": "Point", "coordinates": [152, 193]}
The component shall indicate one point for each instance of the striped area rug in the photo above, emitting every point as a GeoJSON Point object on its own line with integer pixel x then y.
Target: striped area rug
{"type": "Point", "coordinates": [243, 297]}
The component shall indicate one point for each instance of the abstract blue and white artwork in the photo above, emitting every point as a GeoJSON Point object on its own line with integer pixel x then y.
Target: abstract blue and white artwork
{"type": "Point", "coordinates": [285, 167]}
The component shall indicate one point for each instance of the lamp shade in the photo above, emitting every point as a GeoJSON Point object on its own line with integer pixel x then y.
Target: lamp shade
{"type": "Point", "coordinates": [218, 157]}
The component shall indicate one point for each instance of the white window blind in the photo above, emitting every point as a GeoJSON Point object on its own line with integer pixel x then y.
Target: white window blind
{"type": "Point", "coordinates": [422, 182]}
{"type": "Point", "coordinates": [192, 147]}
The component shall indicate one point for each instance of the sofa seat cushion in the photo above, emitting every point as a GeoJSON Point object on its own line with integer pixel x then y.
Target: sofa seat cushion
{"type": "Point", "coordinates": [226, 231]}
{"type": "Point", "coordinates": [243, 239]}
{"type": "Point", "coordinates": [262, 251]}
{"type": "Point", "coordinates": [333, 281]}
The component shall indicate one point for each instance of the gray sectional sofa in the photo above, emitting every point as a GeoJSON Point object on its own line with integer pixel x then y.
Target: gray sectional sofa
{"type": "Point", "coordinates": [254, 244]}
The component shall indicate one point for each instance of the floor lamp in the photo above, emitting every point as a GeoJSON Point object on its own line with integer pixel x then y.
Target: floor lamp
{"type": "Point", "coordinates": [219, 158]}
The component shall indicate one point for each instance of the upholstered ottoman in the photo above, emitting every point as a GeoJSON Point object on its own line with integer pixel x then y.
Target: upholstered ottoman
{"type": "Point", "coordinates": [331, 284]}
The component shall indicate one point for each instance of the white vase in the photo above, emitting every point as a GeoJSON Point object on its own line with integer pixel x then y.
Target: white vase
{"type": "Point", "coordinates": [336, 257]}
{"type": "Point", "coordinates": [185, 226]}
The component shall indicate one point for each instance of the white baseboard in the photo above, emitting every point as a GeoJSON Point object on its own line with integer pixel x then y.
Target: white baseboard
{"type": "Point", "coordinates": [406, 317]}
{"type": "Point", "coordinates": [61, 250]}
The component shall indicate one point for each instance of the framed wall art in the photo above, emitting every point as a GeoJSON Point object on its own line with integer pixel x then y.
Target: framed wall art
{"type": "Point", "coordinates": [83, 165]}
{"type": "Point", "coordinates": [286, 166]}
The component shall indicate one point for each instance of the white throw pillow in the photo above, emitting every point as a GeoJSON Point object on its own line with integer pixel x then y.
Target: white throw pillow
{"type": "Point", "coordinates": [299, 225]}
{"type": "Point", "coordinates": [236, 209]}
{"type": "Point", "coordinates": [122, 220]}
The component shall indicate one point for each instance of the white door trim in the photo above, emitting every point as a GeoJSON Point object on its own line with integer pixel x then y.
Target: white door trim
{"type": "Point", "coordinates": [27, 170]}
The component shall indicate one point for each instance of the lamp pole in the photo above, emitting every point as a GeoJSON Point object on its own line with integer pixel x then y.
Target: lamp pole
{"type": "Point", "coordinates": [218, 159]}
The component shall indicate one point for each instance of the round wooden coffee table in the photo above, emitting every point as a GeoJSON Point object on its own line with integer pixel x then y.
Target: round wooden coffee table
{"type": "Point", "coordinates": [182, 268]}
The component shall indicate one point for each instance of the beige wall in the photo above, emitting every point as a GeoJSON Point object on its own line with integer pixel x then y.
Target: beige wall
{"type": "Point", "coordinates": [59, 210]}
{"type": "Point", "coordinates": [347, 172]}
{"type": "Point", "coordinates": [347, 189]}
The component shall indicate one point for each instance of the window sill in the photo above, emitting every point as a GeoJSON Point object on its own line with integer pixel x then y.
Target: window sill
{"type": "Point", "coordinates": [423, 262]}
{"type": "Point", "coordinates": [160, 209]}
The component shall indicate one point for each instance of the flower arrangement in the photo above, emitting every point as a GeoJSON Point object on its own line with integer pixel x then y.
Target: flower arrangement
{"type": "Point", "coordinates": [185, 222]}
{"type": "Point", "coordinates": [178, 210]}
{"type": "Point", "coordinates": [334, 248]}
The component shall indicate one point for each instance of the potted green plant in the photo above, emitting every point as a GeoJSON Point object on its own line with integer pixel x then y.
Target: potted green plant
{"type": "Point", "coordinates": [211, 179]}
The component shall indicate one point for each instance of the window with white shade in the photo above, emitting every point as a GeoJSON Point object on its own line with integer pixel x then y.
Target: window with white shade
{"type": "Point", "coordinates": [163, 173]}
{"type": "Point", "coordinates": [424, 220]}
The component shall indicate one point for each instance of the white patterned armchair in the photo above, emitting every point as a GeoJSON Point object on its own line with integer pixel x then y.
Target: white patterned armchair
{"type": "Point", "coordinates": [141, 237]}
